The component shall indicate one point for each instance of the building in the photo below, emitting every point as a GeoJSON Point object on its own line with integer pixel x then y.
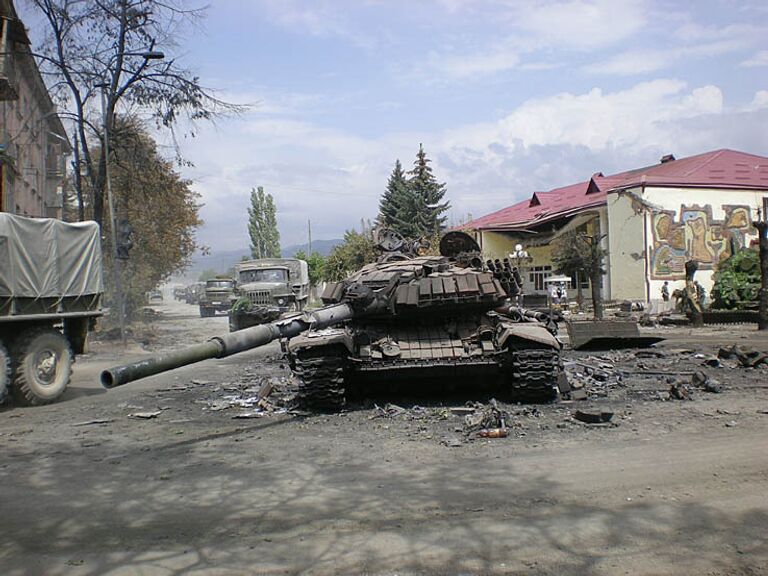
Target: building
{"type": "Point", "coordinates": [652, 220]}
{"type": "Point", "coordinates": [33, 142]}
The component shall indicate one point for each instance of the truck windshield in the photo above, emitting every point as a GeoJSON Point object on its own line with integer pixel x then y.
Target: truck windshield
{"type": "Point", "coordinates": [264, 275]}
{"type": "Point", "coordinates": [226, 284]}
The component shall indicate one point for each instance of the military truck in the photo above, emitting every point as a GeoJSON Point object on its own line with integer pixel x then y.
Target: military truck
{"type": "Point", "coordinates": [267, 288]}
{"type": "Point", "coordinates": [217, 296]}
{"type": "Point", "coordinates": [51, 288]}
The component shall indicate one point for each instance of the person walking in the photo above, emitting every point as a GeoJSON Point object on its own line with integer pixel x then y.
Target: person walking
{"type": "Point", "coordinates": [665, 291]}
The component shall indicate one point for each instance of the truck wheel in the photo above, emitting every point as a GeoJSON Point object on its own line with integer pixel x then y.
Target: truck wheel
{"type": "Point", "coordinates": [43, 366]}
{"type": "Point", "coordinates": [5, 372]}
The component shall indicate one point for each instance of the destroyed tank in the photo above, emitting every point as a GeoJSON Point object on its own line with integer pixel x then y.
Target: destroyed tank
{"type": "Point", "coordinates": [406, 319]}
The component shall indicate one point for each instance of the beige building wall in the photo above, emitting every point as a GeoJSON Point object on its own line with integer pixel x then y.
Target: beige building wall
{"type": "Point", "coordinates": [626, 248]}
{"type": "Point", "coordinates": [33, 138]}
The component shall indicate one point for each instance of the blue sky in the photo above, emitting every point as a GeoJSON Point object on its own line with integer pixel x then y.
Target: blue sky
{"type": "Point", "coordinates": [507, 96]}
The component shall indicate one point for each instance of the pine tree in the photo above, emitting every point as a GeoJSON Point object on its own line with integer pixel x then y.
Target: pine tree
{"type": "Point", "coordinates": [262, 225]}
{"type": "Point", "coordinates": [393, 198]}
{"type": "Point", "coordinates": [421, 212]}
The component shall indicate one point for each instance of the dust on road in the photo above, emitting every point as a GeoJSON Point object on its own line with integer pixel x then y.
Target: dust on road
{"type": "Point", "coordinates": [157, 477]}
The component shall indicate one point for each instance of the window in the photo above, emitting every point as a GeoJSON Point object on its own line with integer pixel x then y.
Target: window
{"type": "Point", "coordinates": [264, 275]}
{"type": "Point", "coordinates": [538, 274]}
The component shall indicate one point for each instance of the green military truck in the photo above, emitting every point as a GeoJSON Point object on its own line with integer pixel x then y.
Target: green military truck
{"type": "Point", "coordinates": [217, 296]}
{"type": "Point", "coordinates": [267, 288]}
{"type": "Point", "coordinates": [51, 288]}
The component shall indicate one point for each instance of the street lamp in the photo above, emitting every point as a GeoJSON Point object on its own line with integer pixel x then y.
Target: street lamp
{"type": "Point", "coordinates": [147, 55]}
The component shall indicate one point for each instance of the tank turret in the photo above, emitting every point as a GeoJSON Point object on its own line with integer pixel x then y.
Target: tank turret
{"type": "Point", "coordinates": [406, 317]}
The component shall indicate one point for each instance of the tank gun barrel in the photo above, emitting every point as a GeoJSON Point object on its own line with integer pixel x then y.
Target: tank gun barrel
{"type": "Point", "coordinates": [227, 345]}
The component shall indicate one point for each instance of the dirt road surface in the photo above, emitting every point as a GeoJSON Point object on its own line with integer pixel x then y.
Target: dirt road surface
{"type": "Point", "coordinates": [157, 477]}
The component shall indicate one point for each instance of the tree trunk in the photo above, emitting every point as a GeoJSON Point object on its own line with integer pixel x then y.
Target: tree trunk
{"type": "Point", "coordinates": [762, 316]}
{"type": "Point", "coordinates": [595, 281]}
{"type": "Point", "coordinates": [579, 291]}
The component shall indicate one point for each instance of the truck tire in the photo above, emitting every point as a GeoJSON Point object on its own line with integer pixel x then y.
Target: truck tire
{"type": "Point", "coordinates": [42, 366]}
{"type": "Point", "coordinates": [5, 372]}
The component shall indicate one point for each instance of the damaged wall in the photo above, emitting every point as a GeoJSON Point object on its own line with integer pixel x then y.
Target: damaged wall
{"type": "Point", "coordinates": [653, 231]}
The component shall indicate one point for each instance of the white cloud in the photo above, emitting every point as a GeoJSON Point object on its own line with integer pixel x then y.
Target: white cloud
{"type": "Point", "coordinates": [580, 24]}
{"type": "Point", "coordinates": [758, 59]}
{"type": "Point", "coordinates": [336, 178]}
{"type": "Point", "coordinates": [759, 102]}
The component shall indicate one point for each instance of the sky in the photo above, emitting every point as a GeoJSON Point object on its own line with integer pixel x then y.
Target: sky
{"type": "Point", "coordinates": [507, 96]}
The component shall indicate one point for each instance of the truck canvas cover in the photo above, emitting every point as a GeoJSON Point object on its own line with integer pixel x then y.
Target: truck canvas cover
{"type": "Point", "coordinates": [47, 258]}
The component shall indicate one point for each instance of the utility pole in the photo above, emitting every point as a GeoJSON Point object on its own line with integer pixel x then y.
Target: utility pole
{"type": "Point", "coordinates": [112, 215]}
{"type": "Point", "coordinates": [309, 233]}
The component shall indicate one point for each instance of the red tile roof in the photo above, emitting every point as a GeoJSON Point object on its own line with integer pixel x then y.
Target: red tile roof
{"type": "Point", "coordinates": [719, 169]}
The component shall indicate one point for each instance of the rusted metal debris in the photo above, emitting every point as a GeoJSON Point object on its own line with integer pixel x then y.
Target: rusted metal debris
{"type": "Point", "coordinates": [607, 335]}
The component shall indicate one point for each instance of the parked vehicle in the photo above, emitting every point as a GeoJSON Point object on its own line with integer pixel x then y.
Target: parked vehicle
{"type": "Point", "coordinates": [267, 288]}
{"type": "Point", "coordinates": [218, 296]}
{"type": "Point", "coordinates": [50, 296]}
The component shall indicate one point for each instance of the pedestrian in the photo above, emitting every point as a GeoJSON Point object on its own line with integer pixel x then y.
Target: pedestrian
{"type": "Point", "coordinates": [701, 294]}
{"type": "Point", "coordinates": [665, 291]}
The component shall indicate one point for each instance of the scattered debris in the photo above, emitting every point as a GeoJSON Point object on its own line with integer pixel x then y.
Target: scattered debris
{"type": "Point", "coordinates": [493, 433]}
{"type": "Point", "coordinates": [702, 381]}
{"type": "Point", "coordinates": [680, 391]}
{"type": "Point", "coordinates": [593, 417]}
{"type": "Point", "coordinates": [145, 415]}
{"type": "Point", "coordinates": [93, 422]}
{"type": "Point", "coordinates": [747, 357]}
{"type": "Point", "coordinates": [486, 418]}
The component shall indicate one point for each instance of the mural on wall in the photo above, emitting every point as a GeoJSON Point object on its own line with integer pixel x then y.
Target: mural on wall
{"type": "Point", "coordinates": [696, 235]}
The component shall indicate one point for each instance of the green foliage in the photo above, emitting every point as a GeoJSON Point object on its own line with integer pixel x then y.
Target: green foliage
{"type": "Point", "coordinates": [579, 252]}
{"type": "Point", "coordinates": [160, 206]}
{"type": "Point", "coordinates": [393, 198]}
{"type": "Point", "coordinates": [262, 225]}
{"type": "Point", "coordinates": [315, 265]}
{"type": "Point", "coordinates": [357, 250]}
{"type": "Point", "coordinates": [207, 274]}
{"type": "Point", "coordinates": [412, 204]}
{"type": "Point", "coordinates": [737, 280]}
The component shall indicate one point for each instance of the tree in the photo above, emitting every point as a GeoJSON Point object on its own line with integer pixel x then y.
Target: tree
{"type": "Point", "coordinates": [105, 49]}
{"type": "Point", "coordinates": [207, 274]}
{"type": "Point", "coordinates": [357, 250]}
{"type": "Point", "coordinates": [762, 239]}
{"type": "Point", "coordinates": [158, 204]}
{"type": "Point", "coordinates": [315, 265]}
{"type": "Point", "coordinates": [577, 253]}
{"type": "Point", "coordinates": [420, 214]}
{"type": "Point", "coordinates": [262, 225]}
{"type": "Point", "coordinates": [393, 198]}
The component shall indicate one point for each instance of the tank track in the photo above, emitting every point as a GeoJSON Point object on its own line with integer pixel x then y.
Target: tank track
{"type": "Point", "coordinates": [532, 373]}
{"type": "Point", "coordinates": [321, 382]}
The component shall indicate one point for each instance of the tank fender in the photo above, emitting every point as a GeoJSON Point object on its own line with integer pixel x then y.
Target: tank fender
{"type": "Point", "coordinates": [507, 332]}
{"type": "Point", "coordinates": [320, 338]}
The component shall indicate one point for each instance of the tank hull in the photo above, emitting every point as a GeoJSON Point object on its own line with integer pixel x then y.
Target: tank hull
{"type": "Point", "coordinates": [519, 360]}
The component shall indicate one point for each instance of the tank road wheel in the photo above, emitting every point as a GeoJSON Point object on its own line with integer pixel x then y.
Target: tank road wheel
{"type": "Point", "coordinates": [321, 380]}
{"type": "Point", "coordinates": [532, 373]}
{"type": "Point", "coordinates": [5, 372]}
{"type": "Point", "coordinates": [43, 366]}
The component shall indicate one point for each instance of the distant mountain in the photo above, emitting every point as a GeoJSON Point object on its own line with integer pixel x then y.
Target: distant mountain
{"type": "Point", "coordinates": [324, 247]}
{"type": "Point", "coordinates": [223, 260]}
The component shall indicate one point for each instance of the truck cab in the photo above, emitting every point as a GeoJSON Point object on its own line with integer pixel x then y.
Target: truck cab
{"type": "Point", "coordinates": [267, 288]}
{"type": "Point", "coordinates": [218, 296]}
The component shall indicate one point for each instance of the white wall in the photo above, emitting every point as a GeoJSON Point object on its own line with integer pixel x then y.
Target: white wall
{"type": "Point", "coordinates": [632, 234]}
